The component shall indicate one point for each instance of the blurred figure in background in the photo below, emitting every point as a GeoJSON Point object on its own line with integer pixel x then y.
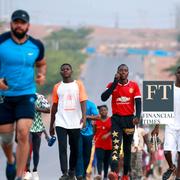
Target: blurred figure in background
{"type": "Point", "coordinates": [41, 106]}
{"type": "Point", "coordinates": [85, 141]}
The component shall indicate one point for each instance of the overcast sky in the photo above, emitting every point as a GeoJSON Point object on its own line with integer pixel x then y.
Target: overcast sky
{"type": "Point", "coordinates": [124, 13]}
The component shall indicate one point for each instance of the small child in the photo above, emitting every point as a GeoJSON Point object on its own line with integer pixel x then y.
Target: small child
{"type": "Point", "coordinates": [103, 142]}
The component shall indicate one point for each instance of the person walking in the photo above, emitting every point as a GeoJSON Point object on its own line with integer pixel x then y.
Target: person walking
{"type": "Point", "coordinates": [125, 96]}
{"type": "Point", "coordinates": [68, 112]}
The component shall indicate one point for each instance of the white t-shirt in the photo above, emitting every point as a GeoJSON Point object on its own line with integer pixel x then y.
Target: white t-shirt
{"type": "Point", "coordinates": [68, 96]}
{"type": "Point", "coordinates": [176, 124]}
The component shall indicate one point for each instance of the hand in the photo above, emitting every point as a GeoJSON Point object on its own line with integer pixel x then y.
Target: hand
{"type": "Point", "coordinates": [136, 121]}
{"type": "Point", "coordinates": [83, 122]}
{"type": "Point", "coordinates": [104, 137]}
{"type": "Point", "coordinates": [51, 131]}
{"type": "Point", "coordinates": [40, 79]}
{"type": "Point", "coordinates": [155, 131]}
{"type": "Point", "coordinates": [116, 77]}
{"type": "Point", "coordinates": [3, 85]}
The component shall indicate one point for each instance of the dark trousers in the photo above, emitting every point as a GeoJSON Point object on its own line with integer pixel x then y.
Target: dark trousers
{"type": "Point", "coordinates": [73, 135]}
{"type": "Point", "coordinates": [122, 128]}
{"type": "Point", "coordinates": [103, 158]}
{"type": "Point", "coordinates": [35, 141]}
{"type": "Point", "coordinates": [85, 145]}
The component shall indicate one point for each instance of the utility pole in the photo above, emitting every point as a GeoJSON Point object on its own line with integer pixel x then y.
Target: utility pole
{"type": "Point", "coordinates": [177, 16]}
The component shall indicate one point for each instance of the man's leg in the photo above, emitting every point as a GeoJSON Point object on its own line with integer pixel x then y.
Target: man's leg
{"type": "Point", "coordinates": [6, 140]}
{"type": "Point", "coordinates": [168, 157]}
{"type": "Point", "coordinates": [23, 126]}
{"type": "Point", "coordinates": [6, 133]}
{"type": "Point", "coordinates": [116, 133]}
{"type": "Point", "coordinates": [127, 140]}
{"type": "Point", "coordinates": [7, 146]}
{"type": "Point", "coordinates": [79, 166]}
{"type": "Point", "coordinates": [73, 142]}
{"type": "Point", "coordinates": [62, 144]}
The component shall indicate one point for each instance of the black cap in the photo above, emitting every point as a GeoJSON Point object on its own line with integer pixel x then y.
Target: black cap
{"type": "Point", "coordinates": [20, 14]}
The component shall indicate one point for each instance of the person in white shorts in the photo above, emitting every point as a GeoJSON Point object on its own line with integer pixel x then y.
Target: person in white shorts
{"type": "Point", "coordinates": [172, 133]}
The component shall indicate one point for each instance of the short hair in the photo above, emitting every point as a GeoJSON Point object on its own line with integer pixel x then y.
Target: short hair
{"type": "Point", "coordinates": [66, 64]}
{"type": "Point", "coordinates": [101, 106]}
{"type": "Point", "coordinates": [123, 65]}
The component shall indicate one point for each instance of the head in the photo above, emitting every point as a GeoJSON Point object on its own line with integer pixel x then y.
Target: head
{"type": "Point", "coordinates": [19, 23]}
{"type": "Point", "coordinates": [66, 70]}
{"type": "Point", "coordinates": [103, 110]}
{"type": "Point", "coordinates": [177, 74]}
{"type": "Point", "coordinates": [123, 70]}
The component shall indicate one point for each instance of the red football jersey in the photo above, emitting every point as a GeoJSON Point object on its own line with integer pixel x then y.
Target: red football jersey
{"type": "Point", "coordinates": [102, 128]}
{"type": "Point", "coordinates": [123, 98]}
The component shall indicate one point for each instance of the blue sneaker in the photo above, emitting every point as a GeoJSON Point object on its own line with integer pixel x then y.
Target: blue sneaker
{"type": "Point", "coordinates": [11, 171]}
{"type": "Point", "coordinates": [51, 141]}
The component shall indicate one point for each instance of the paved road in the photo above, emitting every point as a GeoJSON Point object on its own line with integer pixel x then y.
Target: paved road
{"type": "Point", "coordinates": [99, 70]}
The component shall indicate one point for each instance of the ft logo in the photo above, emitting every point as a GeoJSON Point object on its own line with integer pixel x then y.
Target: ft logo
{"type": "Point", "coordinates": [158, 102]}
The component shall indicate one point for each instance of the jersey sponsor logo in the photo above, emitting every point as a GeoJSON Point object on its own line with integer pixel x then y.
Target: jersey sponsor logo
{"type": "Point", "coordinates": [123, 99]}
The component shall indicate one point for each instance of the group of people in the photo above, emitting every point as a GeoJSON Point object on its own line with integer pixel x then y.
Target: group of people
{"type": "Point", "coordinates": [72, 114]}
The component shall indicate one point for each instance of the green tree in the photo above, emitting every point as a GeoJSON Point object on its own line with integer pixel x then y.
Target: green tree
{"type": "Point", "coordinates": [64, 46]}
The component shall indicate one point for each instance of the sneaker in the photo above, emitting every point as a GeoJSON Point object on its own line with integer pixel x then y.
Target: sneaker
{"type": "Point", "coordinates": [18, 178]}
{"type": "Point", "coordinates": [71, 175]}
{"type": "Point", "coordinates": [27, 176]}
{"type": "Point", "coordinates": [11, 171]}
{"type": "Point", "coordinates": [79, 177]}
{"type": "Point", "coordinates": [35, 175]}
{"type": "Point", "coordinates": [166, 175]}
{"type": "Point", "coordinates": [125, 177]}
{"type": "Point", "coordinates": [113, 176]}
{"type": "Point", "coordinates": [64, 177]}
{"type": "Point", "coordinates": [98, 177]}
{"type": "Point", "coordinates": [51, 141]}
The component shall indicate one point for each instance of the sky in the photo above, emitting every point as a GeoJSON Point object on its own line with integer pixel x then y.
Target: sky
{"type": "Point", "coordinates": [110, 13]}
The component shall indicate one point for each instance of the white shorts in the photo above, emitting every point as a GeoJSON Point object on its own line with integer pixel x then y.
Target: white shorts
{"type": "Point", "coordinates": [171, 139]}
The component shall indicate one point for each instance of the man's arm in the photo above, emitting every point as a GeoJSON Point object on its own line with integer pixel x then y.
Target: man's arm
{"type": "Point", "coordinates": [106, 94]}
{"type": "Point", "coordinates": [3, 84]}
{"type": "Point", "coordinates": [138, 111]}
{"type": "Point", "coordinates": [53, 113]}
{"type": "Point", "coordinates": [83, 109]}
{"type": "Point", "coordinates": [41, 71]}
{"type": "Point", "coordinates": [155, 131]}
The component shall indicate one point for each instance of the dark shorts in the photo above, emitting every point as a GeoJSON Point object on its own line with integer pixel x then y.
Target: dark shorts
{"type": "Point", "coordinates": [17, 107]}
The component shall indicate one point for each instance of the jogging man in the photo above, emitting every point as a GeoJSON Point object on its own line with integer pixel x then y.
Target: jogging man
{"type": "Point", "coordinates": [172, 133]}
{"type": "Point", "coordinates": [19, 53]}
{"type": "Point", "coordinates": [67, 113]}
{"type": "Point", "coordinates": [125, 94]}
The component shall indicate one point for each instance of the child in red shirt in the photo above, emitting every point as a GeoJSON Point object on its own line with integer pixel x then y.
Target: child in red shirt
{"type": "Point", "coordinates": [103, 141]}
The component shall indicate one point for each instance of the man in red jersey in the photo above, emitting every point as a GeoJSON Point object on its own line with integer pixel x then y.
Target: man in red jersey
{"type": "Point", "coordinates": [125, 96]}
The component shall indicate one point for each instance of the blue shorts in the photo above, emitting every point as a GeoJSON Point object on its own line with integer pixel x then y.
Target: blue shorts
{"type": "Point", "coordinates": [17, 107]}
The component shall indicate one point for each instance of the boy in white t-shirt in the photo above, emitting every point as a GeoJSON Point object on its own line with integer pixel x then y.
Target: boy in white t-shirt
{"type": "Point", "coordinates": [68, 113]}
{"type": "Point", "coordinates": [172, 133]}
